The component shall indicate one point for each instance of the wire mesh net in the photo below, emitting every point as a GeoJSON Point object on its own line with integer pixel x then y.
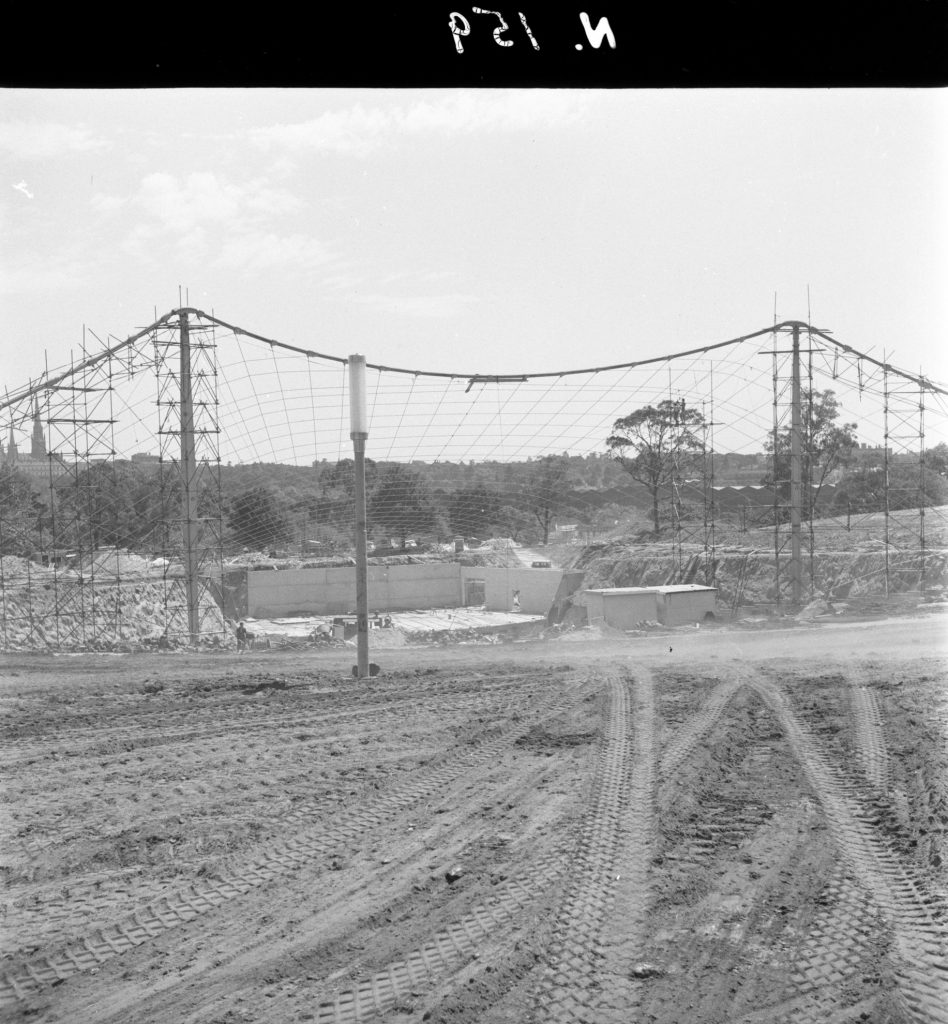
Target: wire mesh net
{"type": "Point", "coordinates": [141, 474]}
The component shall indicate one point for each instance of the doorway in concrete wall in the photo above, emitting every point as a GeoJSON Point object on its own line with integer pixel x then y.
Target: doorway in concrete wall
{"type": "Point", "coordinates": [474, 594]}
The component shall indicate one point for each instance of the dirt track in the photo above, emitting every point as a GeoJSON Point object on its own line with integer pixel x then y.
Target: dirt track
{"type": "Point", "coordinates": [717, 826]}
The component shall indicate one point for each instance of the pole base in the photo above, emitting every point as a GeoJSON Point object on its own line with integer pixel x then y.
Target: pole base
{"type": "Point", "coordinates": [373, 670]}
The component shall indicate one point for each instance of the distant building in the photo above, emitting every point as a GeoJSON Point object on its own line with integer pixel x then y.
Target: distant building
{"type": "Point", "coordinates": [672, 605]}
{"type": "Point", "coordinates": [42, 467]}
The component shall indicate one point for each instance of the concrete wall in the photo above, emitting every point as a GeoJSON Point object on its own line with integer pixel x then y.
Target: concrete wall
{"type": "Point", "coordinates": [621, 611]}
{"type": "Point", "coordinates": [681, 609]}
{"type": "Point", "coordinates": [286, 592]}
{"type": "Point", "coordinates": [537, 587]}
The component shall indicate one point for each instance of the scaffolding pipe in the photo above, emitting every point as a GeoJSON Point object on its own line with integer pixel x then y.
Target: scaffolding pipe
{"type": "Point", "coordinates": [189, 497]}
{"type": "Point", "coordinates": [922, 494]}
{"type": "Point", "coordinates": [796, 489]}
{"type": "Point", "coordinates": [885, 467]}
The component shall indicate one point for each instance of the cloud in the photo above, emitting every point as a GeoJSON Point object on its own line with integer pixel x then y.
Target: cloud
{"type": "Point", "coordinates": [256, 252]}
{"type": "Point", "coordinates": [435, 307]}
{"type": "Point", "coordinates": [361, 129]}
{"type": "Point", "coordinates": [32, 141]}
{"type": "Point", "coordinates": [24, 188]}
{"type": "Point", "coordinates": [106, 204]}
{"type": "Point", "coordinates": [202, 197]}
{"type": "Point", "coordinates": [169, 204]}
{"type": "Point", "coordinates": [207, 217]}
{"type": "Point", "coordinates": [36, 275]}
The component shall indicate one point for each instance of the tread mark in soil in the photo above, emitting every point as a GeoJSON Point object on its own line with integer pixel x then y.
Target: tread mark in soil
{"type": "Point", "coordinates": [578, 964]}
{"type": "Point", "coordinates": [168, 912]}
{"type": "Point", "coordinates": [920, 937]}
{"type": "Point", "coordinates": [453, 945]}
{"type": "Point", "coordinates": [834, 949]}
{"type": "Point", "coordinates": [700, 723]}
{"type": "Point", "coordinates": [626, 924]}
{"type": "Point", "coordinates": [870, 739]}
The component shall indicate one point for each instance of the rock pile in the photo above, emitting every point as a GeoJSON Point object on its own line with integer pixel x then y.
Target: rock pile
{"type": "Point", "coordinates": [138, 608]}
{"type": "Point", "coordinates": [747, 576]}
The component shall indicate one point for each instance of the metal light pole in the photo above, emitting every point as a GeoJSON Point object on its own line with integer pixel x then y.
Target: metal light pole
{"type": "Point", "coordinates": [359, 432]}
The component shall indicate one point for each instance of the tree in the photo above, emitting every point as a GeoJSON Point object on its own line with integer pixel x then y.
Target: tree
{"type": "Point", "coordinates": [516, 524]}
{"type": "Point", "coordinates": [113, 504]}
{"type": "Point", "coordinates": [20, 513]}
{"type": "Point", "coordinates": [658, 445]}
{"type": "Point", "coordinates": [863, 488]}
{"type": "Point", "coordinates": [825, 447]}
{"type": "Point", "coordinates": [936, 459]}
{"type": "Point", "coordinates": [258, 520]}
{"type": "Point", "coordinates": [546, 491]}
{"type": "Point", "coordinates": [335, 501]}
{"type": "Point", "coordinates": [472, 510]}
{"type": "Point", "coordinates": [401, 503]}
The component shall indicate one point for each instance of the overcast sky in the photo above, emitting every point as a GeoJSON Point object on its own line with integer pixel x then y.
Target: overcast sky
{"type": "Point", "coordinates": [479, 231]}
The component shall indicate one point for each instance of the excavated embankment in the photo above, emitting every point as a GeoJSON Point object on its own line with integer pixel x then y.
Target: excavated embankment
{"type": "Point", "coordinates": [125, 605]}
{"type": "Point", "coordinates": [749, 576]}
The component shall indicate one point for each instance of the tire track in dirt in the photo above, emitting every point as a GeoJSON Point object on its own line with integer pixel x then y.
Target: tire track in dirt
{"type": "Point", "coordinates": [247, 979]}
{"type": "Point", "coordinates": [158, 916]}
{"type": "Point", "coordinates": [135, 734]}
{"type": "Point", "coordinates": [41, 910]}
{"type": "Point", "coordinates": [870, 738]}
{"type": "Point", "coordinates": [183, 748]}
{"type": "Point", "coordinates": [704, 719]}
{"type": "Point", "coordinates": [569, 987]}
{"type": "Point", "coordinates": [918, 922]}
{"type": "Point", "coordinates": [625, 926]}
{"type": "Point", "coordinates": [448, 950]}
{"type": "Point", "coordinates": [834, 951]}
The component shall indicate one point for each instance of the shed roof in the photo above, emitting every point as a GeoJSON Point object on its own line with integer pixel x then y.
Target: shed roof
{"type": "Point", "coordinates": [677, 588]}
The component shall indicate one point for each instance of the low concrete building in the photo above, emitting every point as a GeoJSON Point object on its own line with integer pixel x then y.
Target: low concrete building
{"type": "Point", "coordinates": [682, 604]}
{"type": "Point", "coordinates": [619, 607]}
{"type": "Point", "coordinates": [626, 607]}
{"type": "Point", "coordinates": [398, 587]}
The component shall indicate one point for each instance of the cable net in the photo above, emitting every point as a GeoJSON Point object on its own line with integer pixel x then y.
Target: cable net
{"type": "Point", "coordinates": [98, 490]}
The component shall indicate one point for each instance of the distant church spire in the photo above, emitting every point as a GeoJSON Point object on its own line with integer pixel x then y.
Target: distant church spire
{"type": "Point", "coordinates": [38, 447]}
{"type": "Point", "coordinates": [11, 447]}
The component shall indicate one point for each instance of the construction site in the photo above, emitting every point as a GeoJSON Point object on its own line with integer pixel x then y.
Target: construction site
{"type": "Point", "coordinates": [693, 772]}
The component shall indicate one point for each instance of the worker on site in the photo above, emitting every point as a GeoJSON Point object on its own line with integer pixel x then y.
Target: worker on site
{"type": "Point", "coordinates": [241, 637]}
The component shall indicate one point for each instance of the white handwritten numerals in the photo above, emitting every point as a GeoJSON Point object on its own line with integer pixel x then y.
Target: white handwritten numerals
{"type": "Point", "coordinates": [454, 23]}
{"type": "Point", "coordinates": [595, 37]}
{"type": "Point", "coordinates": [526, 29]}
{"type": "Point", "coordinates": [498, 32]}
{"type": "Point", "coordinates": [460, 26]}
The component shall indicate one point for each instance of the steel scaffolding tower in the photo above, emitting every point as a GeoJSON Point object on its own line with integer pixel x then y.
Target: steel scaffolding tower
{"type": "Point", "coordinates": [189, 466]}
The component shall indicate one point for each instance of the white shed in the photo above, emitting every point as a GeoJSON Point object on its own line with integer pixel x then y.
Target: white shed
{"type": "Point", "coordinates": [684, 603]}
{"type": "Point", "coordinates": [620, 607]}
{"type": "Point", "coordinates": [626, 607]}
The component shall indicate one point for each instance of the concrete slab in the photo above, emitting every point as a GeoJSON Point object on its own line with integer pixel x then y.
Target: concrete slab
{"type": "Point", "coordinates": [422, 621]}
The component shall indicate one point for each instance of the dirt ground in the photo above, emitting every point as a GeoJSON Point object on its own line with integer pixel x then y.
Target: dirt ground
{"type": "Point", "coordinates": [718, 825]}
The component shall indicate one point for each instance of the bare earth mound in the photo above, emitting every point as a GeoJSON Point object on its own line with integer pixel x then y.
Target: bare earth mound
{"type": "Point", "coordinates": [718, 826]}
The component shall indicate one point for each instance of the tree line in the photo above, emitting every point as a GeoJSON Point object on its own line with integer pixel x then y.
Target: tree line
{"type": "Point", "coordinates": [659, 448]}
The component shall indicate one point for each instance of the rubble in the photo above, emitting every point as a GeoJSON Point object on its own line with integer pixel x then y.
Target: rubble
{"type": "Point", "coordinates": [86, 609]}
